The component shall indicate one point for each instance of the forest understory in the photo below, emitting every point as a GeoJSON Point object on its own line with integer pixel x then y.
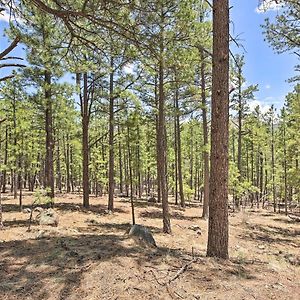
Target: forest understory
{"type": "Point", "coordinates": [89, 256]}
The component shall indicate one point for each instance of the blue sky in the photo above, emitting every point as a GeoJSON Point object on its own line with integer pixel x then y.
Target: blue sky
{"type": "Point", "coordinates": [263, 66]}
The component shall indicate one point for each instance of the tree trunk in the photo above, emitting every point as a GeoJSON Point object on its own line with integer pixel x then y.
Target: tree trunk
{"type": "Point", "coordinates": [111, 141]}
{"type": "Point", "coordinates": [130, 175]}
{"type": "Point", "coordinates": [5, 160]}
{"type": "Point", "coordinates": [49, 172]}
{"type": "Point", "coordinates": [120, 162]}
{"type": "Point", "coordinates": [176, 154]}
{"type": "Point", "coordinates": [285, 169]}
{"type": "Point", "coordinates": [273, 161]}
{"type": "Point", "coordinates": [58, 169]}
{"type": "Point", "coordinates": [179, 159]}
{"type": "Point", "coordinates": [205, 141]}
{"type": "Point", "coordinates": [84, 105]}
{"type": "Point", "coordinates": [218, 188]}
{"type": "Point", "coordinates": [162, 143]}
{"type": "Point", "coordinates": [157, 143]}
{"type": "Point", "coordinates": [240, 116]}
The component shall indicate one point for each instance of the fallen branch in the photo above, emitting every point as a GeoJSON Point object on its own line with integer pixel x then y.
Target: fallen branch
{"type": "Point", "coordinates": [294, 218]}
{"type": "Point", "coordinates": [182, 270]}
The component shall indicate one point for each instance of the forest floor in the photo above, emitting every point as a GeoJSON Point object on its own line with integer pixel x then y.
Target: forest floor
{"type": "Point", "coordinates": [89, 257]}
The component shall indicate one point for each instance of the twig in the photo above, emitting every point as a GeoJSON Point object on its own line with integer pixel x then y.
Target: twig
{"type": "Point", "coordinates": [156, 278]}
{"type": "Point", "coordinates": [182, 270]}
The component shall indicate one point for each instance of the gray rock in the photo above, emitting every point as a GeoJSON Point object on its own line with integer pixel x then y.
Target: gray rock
{"type": "Point", "coordinates": [77, 207]}
{"type": "Point", "coordinates": [142, 235]}
{"type": "Point", "coordinates": [38, 209]}
{"type": "Point", "coordinates": [48, 217]}
{"type": "Point", "coordinates": [152, 200]}
{"type": "Point", "coordinates": [26, 210]}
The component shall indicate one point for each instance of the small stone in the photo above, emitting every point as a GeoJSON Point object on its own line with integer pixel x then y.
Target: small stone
{"type": "Point", "coordinates": [261, 247]}
{"type": "Point", "coordinates": [199, 232]}
{"type": "Point", "coordinates": [41, 234]}
{"type": "Point", "coordinates": [26, 210]}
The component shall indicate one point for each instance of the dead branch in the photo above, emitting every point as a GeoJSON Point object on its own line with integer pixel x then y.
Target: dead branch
{"type": "Point", "coordinates": [294, 217]}
{"type": "Point", "coordinates": [182, 270]}
{"type": "Point", "coordinates": [13, 45]}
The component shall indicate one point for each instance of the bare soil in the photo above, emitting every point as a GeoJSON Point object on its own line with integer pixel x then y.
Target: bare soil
{"type": "Point", "coordinates": [88, 256]}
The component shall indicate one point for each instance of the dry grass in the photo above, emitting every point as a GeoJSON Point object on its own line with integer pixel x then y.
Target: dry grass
{"type": "Point", "coordinates": [88, 256]}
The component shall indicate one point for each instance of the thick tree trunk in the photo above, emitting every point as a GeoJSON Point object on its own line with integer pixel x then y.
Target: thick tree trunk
{"type": "Point", "coordinates": [218, 188]}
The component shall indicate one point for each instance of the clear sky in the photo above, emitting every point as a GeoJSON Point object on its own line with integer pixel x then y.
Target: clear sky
{"type": "Point", "coordinates": [263, 66]}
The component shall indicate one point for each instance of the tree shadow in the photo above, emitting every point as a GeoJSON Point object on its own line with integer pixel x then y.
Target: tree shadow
{"type": "Point", "coordinates": [18, 223]}
{"type": "Point", "coordinates": [120, 227]}
{"type": "Point", "coordinates": [30, 267]}
{"type": "Point", "coordinates": [8, 207]}
{"type": "Point", "coordinates": [271, 234]}
{"type": "Point", "coordinates": [286, 221]}
{"type": "Point", "coordinates": [173, 215]}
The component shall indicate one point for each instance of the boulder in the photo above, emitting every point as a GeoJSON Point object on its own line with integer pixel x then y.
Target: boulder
{"type": "Point", "coordinates": [142, 235]}
{"type": "Point", "coordinates": [152, 200]}
{"type": "Point", "coordinates": [48, 217]}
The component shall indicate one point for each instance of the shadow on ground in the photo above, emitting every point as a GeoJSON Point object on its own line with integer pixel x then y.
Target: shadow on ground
{"type": "Point", "coordinates": [271, 234]}
{"type": "Point", "coordinates": [175, 215]}
{"type": "Point", "coordinates": [27, 266]}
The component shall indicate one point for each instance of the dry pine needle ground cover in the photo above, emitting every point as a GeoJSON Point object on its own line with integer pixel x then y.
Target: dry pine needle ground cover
{"type": "Point", "coordinates": [88, 256]}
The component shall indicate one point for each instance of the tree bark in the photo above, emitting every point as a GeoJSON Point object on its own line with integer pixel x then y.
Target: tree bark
{"type": "Point", "coordinates": [179, 158]}
{"type": "Point", "coordinates": [49, 169]}
{"type": "Point", "coordinates": [84, 105]}
{"type": "Point", "coordinates": [205, 141]}
{"type": "Point", "coordinates": [240, 116]}
{"type": "Point", "coordinates": [111, 183]}
{"type": "Point", "coordinates": [218, 188]}
{"type": "Point", "coordinates": [273, 161]}
{"type": "Point", "coordinates": [162, 139]}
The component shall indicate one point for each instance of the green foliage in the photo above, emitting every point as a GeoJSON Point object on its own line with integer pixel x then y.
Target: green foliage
{"type": "Point", "coordinates": [40, 197]}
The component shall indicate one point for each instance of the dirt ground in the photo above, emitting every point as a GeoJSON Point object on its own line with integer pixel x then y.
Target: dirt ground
{"type": "Point", "coordinates": [88, 256]}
